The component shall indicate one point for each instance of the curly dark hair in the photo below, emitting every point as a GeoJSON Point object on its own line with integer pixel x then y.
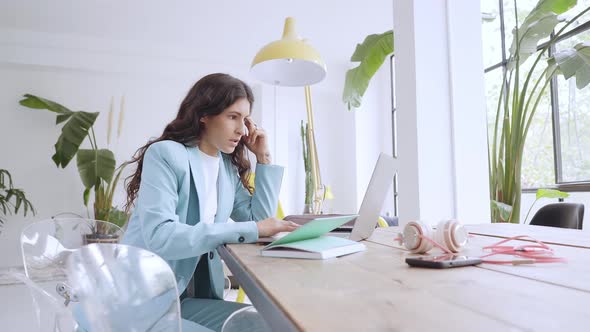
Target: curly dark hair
{"type": "Point", "coordinates": [211, 95]}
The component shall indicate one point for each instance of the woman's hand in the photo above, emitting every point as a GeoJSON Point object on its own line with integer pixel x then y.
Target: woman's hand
{"type": "Point", "coordinates": [256, 142]}
{"type": "Point", "coordinates": [272, 226]}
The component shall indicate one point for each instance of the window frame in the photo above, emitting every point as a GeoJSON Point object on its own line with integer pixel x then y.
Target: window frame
{"type": "Point", "coordinates": [571, 186]}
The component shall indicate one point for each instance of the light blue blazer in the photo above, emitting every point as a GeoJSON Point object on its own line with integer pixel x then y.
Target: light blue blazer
{"type": "Point", "coordinates": [166, 215]}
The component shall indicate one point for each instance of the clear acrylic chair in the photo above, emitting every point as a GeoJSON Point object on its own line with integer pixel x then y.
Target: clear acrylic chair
{"type": "Point", "coordinates": [59, 317]}
{"type": "Point", "coordinates": [123, 288]}
{"type": "Point", "coordinates": [245, 319]}
{"type": "Point", "coordinates": [45, 246]}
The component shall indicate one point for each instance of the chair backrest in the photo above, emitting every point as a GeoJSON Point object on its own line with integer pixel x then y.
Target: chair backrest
{"type": "Point", "coordinates": [564, 215]}
{"type": "Point", "coordinates": [45, 246]}
{"type": "Point", "coordinates": [123, 288]}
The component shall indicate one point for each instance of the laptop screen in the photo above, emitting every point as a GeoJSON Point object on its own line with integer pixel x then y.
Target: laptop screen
{"type": "Point", "coordinates": [380, 183]}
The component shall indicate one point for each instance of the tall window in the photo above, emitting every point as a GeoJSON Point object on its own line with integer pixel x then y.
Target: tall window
{"type": "Point", "coordinates": [557, 150]}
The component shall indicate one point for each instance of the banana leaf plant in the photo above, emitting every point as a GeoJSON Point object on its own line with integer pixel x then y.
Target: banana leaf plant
{"type": "Point", "coordinates": [521, 93]}
{"type": "Point", "coordinates": [12, 199]}
{"type": "Point", "coordinates": [371, 54]}
{"type": "Point", "coordinates": [96, 166]}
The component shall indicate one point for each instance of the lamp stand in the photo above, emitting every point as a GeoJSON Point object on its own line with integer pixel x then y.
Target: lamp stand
{"type": "Point", "coordinates": [318, 188]}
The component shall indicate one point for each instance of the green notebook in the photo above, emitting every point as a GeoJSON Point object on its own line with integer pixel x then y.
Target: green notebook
{"type": "Point", "coordinates": [309, 241]}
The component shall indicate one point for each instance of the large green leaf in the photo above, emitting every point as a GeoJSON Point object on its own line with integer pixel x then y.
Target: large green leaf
{"type": "Point", "coordinates": [94, 165]}
{"type": "Point", "coordinates": [371, 54]}
{"type": "Point", "coordinates": [573, 62]}
{"type": "Point", "coordinates": [73, 132]}
{"type": "Point", "coordinates": [538, 25]}
{"type": "Point", "coordinates": [72, 135]}
{"type": "Point", "coordinates": [32, 101]}
{"type": "Point", "coordinates": [551, 193]}
{"type": "Point", "coordinates": [86, 196]}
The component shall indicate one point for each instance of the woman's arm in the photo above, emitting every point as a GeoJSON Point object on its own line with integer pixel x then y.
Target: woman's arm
{"type": "Point", "coordinates": [263, 203]}
{"type": "Point", "coordinates": [161, 229]}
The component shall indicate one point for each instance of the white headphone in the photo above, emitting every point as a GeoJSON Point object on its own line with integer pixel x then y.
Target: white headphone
{"type": "Point", "coordinates": [449, 233]}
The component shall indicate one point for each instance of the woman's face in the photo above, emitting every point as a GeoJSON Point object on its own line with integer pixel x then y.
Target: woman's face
{"type": "Point", "coordinates": [224, 131]}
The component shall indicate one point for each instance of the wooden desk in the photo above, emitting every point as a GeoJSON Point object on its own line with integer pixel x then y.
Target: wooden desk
{"type": "Point", "coordinates": [549, 235]}
{"type": "Point", "coordinates": [377, 290]}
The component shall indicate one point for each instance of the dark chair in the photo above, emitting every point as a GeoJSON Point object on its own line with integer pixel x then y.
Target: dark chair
{"type": "Point", "coordinates": [564, 215]}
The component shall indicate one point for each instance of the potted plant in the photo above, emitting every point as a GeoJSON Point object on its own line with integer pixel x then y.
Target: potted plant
{"type": "Point", "coordinates": [11, 198]}
{"type": "Point", "coordinates": [96, 166]}
{"type": "Point", "coordinates": [308, 208]}
{"type": "Point", "coordinates": [516, 107]}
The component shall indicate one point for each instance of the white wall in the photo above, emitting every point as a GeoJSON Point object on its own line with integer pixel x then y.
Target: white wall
{"type": "Point", "coordinates": [442, 160]}
{"type": "Point", "coordinates": [83, 53]}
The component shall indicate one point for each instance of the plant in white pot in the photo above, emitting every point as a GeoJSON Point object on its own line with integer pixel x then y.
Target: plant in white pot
{"type": "Point", "coordinates": [96, 166]}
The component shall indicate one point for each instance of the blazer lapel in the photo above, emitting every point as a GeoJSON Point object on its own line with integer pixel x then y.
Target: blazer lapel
{"type": "Point", "coordinates": [196, 172]}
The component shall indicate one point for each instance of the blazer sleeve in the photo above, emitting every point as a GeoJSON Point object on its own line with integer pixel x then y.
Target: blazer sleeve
{"type": "Point", "coordinates": [263, 203]}
{"type": "Point", "coordinates": [162, 231]}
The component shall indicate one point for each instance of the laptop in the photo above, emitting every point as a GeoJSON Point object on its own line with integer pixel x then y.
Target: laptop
{"type": "Point", "coordinates": [380, 183]}
{"type": "Point", "coordinates": [365, 223]}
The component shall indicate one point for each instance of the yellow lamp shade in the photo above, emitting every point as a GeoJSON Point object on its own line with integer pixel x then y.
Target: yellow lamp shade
{"type": "Point", "coordinates": [289, 61]}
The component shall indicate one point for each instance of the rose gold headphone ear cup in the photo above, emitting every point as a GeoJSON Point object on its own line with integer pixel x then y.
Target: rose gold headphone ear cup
{"type": "Point", "coordinates": [459, 235]}
{"type": "Point", "coordinates": [412, 240]}
{"type": "Point", "coordinates": [449, 238]}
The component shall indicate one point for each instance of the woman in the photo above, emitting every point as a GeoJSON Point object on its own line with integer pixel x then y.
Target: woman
{"type": "Point", "coordinates": [192, 179]}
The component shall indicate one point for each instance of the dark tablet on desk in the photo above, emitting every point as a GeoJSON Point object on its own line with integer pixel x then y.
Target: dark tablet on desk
{"type": "Point", "coordinates": [343, 229]}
